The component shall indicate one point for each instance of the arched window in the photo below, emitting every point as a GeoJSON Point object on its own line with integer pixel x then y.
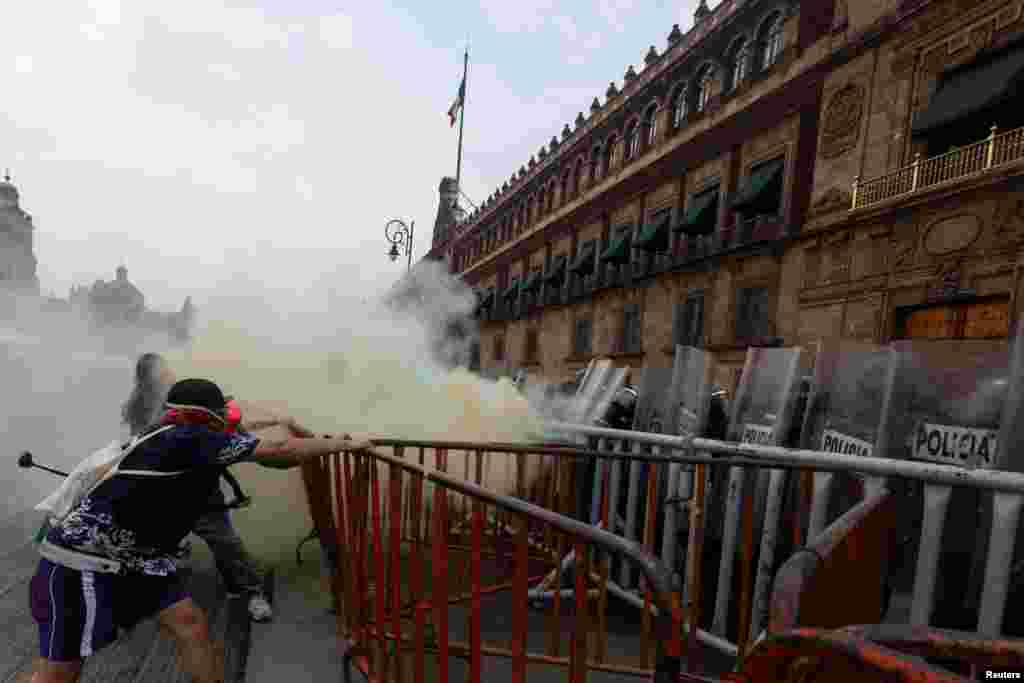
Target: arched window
{"type": "Point", "coordinates": [595, 162]}
{"type": "Point", "coordinates": [609, 151]}
{"type": "Point", "coordinates": [566, 185]}
{"type": "Point", "coordinates": [740, 63]}
{"type": "Point", "coordinates": [771, 41]}
{"type": "Point", "coordinates": [679, 107]}
{"type": "Point", "coordinates": [704, 84]}
{"type": "Point", "coordinates": [577, 177]}
{"type": "Point", "coordinates": [632, 140]}
{"type": "Point", "coordinates": [651, 126]}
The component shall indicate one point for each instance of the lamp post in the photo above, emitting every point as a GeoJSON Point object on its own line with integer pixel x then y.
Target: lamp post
{"type": "Point", "coordinates": [400, 235]}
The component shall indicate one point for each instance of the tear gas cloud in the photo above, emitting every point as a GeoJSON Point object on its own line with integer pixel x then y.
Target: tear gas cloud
{"type": "Point", "coordinates": [62, 387]}
{"type": "Point", "coordinates": [336, 359]}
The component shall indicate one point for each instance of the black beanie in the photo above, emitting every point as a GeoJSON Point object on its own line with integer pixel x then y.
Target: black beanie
{"type": "Point", "coordinates": [196, 393]}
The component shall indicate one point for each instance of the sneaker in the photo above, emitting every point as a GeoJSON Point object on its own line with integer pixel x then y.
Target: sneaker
{"type": "Point", "coordinates": [260, 609]}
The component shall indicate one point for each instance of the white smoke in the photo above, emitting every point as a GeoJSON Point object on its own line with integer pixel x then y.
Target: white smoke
{"type": "Point", "coordinates": [63, 384]}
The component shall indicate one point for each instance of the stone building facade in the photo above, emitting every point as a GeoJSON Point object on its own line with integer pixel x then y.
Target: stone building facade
{"type": "Point", "coordinates": [783, 173]}
{"type": "Point", "coordinates": [17, 253]}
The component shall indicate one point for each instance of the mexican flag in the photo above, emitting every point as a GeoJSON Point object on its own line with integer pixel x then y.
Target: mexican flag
{"type": "Point", "coordinates": [453, 111]}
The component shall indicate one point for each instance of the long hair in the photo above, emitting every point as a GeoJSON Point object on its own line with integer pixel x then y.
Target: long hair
{"type": "Point", "coordinates": [144, 405]}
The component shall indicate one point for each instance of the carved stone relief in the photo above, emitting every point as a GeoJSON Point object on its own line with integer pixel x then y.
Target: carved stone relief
{"type": "Point", "coordinates": [838, 261]}
{"type": "Point", "coordinates": [834, 199]}
{"type": "Point", "coordinates": [1009, 219]}
{"type": "Point", "coordinates": [952, 233]}
{"type": "Point", "coordinates": [841, 128]}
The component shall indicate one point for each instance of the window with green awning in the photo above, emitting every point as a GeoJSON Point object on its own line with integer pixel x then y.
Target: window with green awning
{"type": "Point", "coordinates": [654, 236]}
{"type": "Point", "coordinates": [618, 251]}
{"type": "Point", "coordinates": [584, 263]}
{"type": "Point", "coordinates": [557, 270]}
{"type": "Point", "coordinates": [762, 191]}
{"type": "Point", "coordinates": [513, 289]}
{"type": "Point", "coordinates": [701, 217]}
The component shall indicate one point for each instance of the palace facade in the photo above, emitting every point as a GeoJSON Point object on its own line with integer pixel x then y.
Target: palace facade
{"type": "Point", "coordinates": [782, 173]}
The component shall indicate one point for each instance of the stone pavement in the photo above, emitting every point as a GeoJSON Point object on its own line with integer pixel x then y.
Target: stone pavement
{"type": "Point", "coordinates": [301, 643]}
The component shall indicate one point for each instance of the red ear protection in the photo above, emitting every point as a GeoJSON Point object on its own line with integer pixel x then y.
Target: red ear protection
{"type": "Point", "coordinates": [233, 416]}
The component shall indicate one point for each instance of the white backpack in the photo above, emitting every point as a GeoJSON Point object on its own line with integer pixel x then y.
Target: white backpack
{"type": "Point", "coordinates": [89, 474]}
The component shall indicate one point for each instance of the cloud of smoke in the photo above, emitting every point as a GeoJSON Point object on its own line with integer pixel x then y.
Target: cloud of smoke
{"type": "Point", "coordinates": [63, 384]}
{"type": "Point", "coordinates": [334, 357]}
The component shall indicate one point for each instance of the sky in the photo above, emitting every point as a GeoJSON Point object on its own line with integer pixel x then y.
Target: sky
{"type": "Point", "coordinates": [215, 146]}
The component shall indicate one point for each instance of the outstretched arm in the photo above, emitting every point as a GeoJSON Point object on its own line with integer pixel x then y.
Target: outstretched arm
{"type": "Point", "coordinates": [292, 452]}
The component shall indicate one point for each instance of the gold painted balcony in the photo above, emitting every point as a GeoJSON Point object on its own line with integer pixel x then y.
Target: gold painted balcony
{"type": "Point", "coordinates": [994, 152]}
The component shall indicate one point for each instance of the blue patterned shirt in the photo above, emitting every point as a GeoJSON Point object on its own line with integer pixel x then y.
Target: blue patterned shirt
{"type": "Point", "coordinates": [142, 519]}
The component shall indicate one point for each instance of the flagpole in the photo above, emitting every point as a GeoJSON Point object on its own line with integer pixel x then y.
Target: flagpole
{"type": "Point", "coordinates": [462, 121]}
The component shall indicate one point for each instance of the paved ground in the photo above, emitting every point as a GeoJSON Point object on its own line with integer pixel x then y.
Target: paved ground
{"type": "Point", "coordinates": [301, 643]}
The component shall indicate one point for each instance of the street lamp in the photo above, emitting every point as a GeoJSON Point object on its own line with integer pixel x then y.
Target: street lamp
{"type": "Point", "coordinates": [400, 236]}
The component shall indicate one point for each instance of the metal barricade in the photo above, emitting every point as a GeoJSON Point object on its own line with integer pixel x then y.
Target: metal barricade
{"type": "Point", "coordinates": [415, 536]}
{"type": "Point", "coordinates": [430, 561]}
{"type": "Point", "coordinates": [1007, 489]}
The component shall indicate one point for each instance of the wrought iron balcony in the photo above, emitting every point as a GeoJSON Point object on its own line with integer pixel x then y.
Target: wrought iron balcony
{"type": "Point", "coordinates": [995, 151]}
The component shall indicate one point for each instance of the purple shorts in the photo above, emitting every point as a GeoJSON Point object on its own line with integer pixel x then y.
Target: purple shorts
{"type": "Point", "coordinates": [79, 613]}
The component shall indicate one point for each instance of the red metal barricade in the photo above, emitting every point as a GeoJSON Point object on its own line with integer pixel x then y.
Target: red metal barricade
{"type": "Point", "coordinates": [431, 562]}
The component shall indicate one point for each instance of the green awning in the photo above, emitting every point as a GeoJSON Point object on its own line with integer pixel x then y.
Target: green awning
{"type": "Point", "coordinates": [972, 89]}
{"type": "Point", "coordinates": [513, 289]}
{"type": "Point", "coordinates": [618, 251]}
{"type": "Point", "coordinates": [532, 282]}
{"type": "Point", "coordinates": [654, 236]}
{"type": "Point", "coordinates": [702, 215]}
{"type": "Point", "coordinates": [557, 270]}
{"type": "Point", "coordinates": [584, 263]}
{"type": "Point", "coordinates": [762, 187]}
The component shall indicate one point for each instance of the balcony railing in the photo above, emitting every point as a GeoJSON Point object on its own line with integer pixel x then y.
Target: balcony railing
{"type": "Point", "coordinates": [993, 152]}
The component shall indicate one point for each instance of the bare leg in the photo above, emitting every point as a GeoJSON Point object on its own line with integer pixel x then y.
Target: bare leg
{"type": "Point", "coordinates": [55, 672]}
{"type": "Point", "coordinates": [187, 624]}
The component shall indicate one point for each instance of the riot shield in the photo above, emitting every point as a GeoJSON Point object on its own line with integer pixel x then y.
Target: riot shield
{"type": "Point", "coordinates": [998, 538]}
{"type": "Point", "coordinates": [761, 414]}
{"type": "Point", "coordinates": [954, 393]}
{"type": "Point", "coordinates": [628, 480]}
{"type": "Point", "coordinates": [686, 410]}
{"type": "Point", "coordinates": [850, 396]}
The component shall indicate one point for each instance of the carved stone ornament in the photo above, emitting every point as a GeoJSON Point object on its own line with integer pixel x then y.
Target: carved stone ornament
{"type": "Point", "coordinates": [1009, 219]}
{"type": "Point", "coordinates": [843, 115]}
{"type": "Point", "coordinates": [834, 199]}
{"type": "Point", "coordinates": [953, 233]}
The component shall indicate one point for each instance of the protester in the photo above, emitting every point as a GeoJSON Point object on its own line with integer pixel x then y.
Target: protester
{"type": "Point", "coordinates": [111, 562]}
{"type": "Point", "coordinates": [153, 378]}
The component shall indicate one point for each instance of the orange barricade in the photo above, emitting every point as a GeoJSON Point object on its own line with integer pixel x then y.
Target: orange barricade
{"type": "Point", "coordinates": [452, 558]}
{"type": "Point", "coordinates": [431, 564]}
